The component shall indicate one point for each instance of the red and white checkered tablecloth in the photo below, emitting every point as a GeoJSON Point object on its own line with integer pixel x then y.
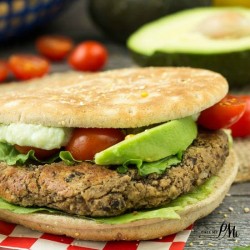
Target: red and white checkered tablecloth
{"type": "Point", "coordinates": [18, 237]}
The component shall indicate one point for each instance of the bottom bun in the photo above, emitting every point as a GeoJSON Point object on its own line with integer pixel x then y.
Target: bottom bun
{"type": "Point", "coordinates": [138, 230]}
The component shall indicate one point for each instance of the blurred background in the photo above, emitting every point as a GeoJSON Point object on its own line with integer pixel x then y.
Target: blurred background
{"type": "Point", "coordinates": [110, 22]}
{"type": "Point", "coordinates": [73, 20]}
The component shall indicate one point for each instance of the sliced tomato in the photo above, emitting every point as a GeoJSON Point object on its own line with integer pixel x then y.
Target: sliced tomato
{"type": "Point", "coordinates": [86, 142]}
{"type": "Point", "coordinates": [242, 127]}
{"type": "Point", "coordinates": [223, 114]}
{"type": "Point", "coordinates": [88, 56]}
{"type": "Point", "coordinates": [54, 47]}
{"type": "Point", "coordinates": [3, 71]}
{"type": "Point", "coordinates": [41, 154]}
{"type": "Point", "coordinates": [28, 66]}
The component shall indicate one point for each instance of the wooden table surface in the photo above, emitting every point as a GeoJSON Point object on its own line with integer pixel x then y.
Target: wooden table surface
{"type": "Point", "coordinates": [230, 217]}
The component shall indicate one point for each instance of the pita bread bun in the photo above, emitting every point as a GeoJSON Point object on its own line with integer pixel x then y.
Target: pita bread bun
{"type": "Point", "coordinates": [132, 97]}
{"type": "Point", "coordinates": [138, 230]}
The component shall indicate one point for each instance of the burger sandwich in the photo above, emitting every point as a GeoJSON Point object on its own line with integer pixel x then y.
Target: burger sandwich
{"type": "Point", "coordinates": [114, 155]}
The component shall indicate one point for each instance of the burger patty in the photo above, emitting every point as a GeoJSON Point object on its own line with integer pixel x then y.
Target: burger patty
{"type": "Point", "coordinates": [92, 190]}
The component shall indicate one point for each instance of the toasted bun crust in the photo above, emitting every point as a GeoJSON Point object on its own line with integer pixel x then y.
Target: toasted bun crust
{"type": "Point", "coordinates": [138, 230]}
{"type": "Point", "coordinates": [121, 98]}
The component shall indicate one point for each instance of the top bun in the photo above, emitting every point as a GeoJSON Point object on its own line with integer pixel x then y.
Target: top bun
{"type": "Point", "coordinates": [122, 98]}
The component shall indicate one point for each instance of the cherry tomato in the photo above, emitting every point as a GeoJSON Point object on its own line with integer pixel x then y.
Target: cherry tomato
{"type": "Point", "coordinates": [28, 66]}
{"type": "Point", "coordinates": [54, 47]}
{"type": "Point", "coordinates": [40, 154]}
{"type": "Point", "coordinates": [223, 114]}
{"type": "Point", "coordinates": [3, 71]}
{"type": "Point", "coordinates": [88, 56]}
{"type": "Point", "coordinates": [86, 142]}
{"type": "Point", "coordinates": [242, 127]}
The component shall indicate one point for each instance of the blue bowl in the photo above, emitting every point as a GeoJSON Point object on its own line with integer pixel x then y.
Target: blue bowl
{"type": "Point", "coordinates": [19, 16]}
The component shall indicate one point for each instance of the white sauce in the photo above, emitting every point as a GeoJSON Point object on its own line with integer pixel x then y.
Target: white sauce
{"type": "Point", "coordinates": [34, 135]}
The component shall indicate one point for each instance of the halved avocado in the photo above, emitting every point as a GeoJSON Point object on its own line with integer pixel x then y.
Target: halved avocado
{"type": "Point", "coordinates": [213, 38]}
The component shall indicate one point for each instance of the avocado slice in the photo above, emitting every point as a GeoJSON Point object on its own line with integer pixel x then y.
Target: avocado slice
{"type": "Point", "coordinates": [151, 145]}
{"type": "Point", "coordinates": [215, 38]}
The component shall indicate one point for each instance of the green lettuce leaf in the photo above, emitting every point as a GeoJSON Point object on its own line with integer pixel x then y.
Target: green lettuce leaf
{"type": "Point", "coordinates": [11, 156]}
{"type": "Point", "coordinates": [242, 248]}
{"type": "Point", "coordinates": [163, 213]}
{"type": "Point", "coordinates": [168, 211]}
{"type": "Point", "coordinates": [146, 168]}
{"type": "Point", "coordinates": [67, 157]}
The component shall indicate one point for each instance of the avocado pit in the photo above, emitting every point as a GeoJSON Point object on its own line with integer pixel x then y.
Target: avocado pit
{"type": "Point", "coordinates": [225, 25]}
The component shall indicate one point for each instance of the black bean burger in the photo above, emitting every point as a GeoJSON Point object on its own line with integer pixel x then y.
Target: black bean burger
{"type": "Point", "coordinates": [115, 155]}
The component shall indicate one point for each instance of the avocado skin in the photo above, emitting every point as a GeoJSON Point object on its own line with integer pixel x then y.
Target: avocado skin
{"type": "Point", "coordinates": [231, 65]}
{"type": "Point", "coordinates": [120, 18]}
